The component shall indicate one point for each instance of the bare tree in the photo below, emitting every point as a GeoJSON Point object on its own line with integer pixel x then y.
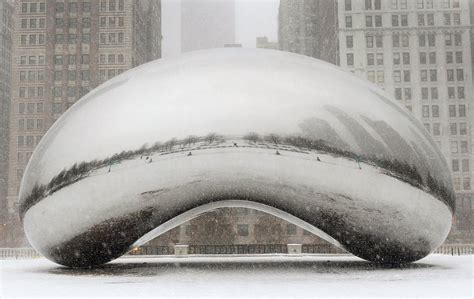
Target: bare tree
{"type": "Point", "coordinates": [274, 138]}
{"type": "Point", "coordinates": [191, 139]}
{"type": "Point", "coordinates": [252, 137]}
{"type": "Point", "coordinates": [211, 137]}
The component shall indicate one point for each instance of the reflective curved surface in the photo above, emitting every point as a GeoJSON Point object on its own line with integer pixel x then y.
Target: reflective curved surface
{"type": "Point", "coordinates": [266, 128]}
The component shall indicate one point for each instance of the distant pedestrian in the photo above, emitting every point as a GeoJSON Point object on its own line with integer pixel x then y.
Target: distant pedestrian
{"type": "Point", "coordinates": [190, 154]}
{"type": "Point", "coordinates": [147, 158]}
{"type": "Point", "coordinates": [277, 153]}
{"type": "Point", "coordinates": [151, 160]}
{"type": "Point", "coordinates": [235, 144]}
{"type": "Point", "coordinates": [317, 159]}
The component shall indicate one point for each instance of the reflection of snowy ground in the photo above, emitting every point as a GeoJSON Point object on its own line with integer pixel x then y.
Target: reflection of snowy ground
{"type": "Point", "coordinates": [269, 276]}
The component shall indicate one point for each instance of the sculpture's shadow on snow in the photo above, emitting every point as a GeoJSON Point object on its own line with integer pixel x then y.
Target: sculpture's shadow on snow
{"type": "Point", "coordinates": [156, 267]}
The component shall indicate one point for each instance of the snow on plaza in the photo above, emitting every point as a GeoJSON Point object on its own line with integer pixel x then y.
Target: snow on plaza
{"type": "Point", "coordinates": [241, 276]}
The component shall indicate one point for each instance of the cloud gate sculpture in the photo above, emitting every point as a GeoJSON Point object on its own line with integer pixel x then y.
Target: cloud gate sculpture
{"type": "Point", "coordinates": [279, 132]}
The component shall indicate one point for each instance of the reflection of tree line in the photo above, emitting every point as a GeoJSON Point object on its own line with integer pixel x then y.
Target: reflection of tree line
{"type": "Point", "coordinates": [398, 169]}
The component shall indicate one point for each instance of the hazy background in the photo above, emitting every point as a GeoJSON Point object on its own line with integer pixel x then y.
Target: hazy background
{"type": "Point", "coordinates": [252, 18]}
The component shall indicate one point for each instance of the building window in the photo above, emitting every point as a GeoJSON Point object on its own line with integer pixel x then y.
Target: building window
{"type": "Point", "coordinates": [464, 147]}
{"type": "Point", "coordinates": [405, 40]}
{"type": "Point", "coordinates": [452, 110]}
{"type": "Point", "coordinates": [460, 74]}
{"type": "Point", "coordinates": [462, 110]}
{"type": "Point", "coordinates": [369, 41]}
{"type": "Point", "coordinates": [349, 41]}
{"type": "Point", "coordinates": [453, 128]}
{"type": "Point", "coordinates": [350, 59]}
{"type": "Point", "coordinates": [435, 110]}
{"type": "Point", "coordinates": [395, 21]}
{"type": "Point", "coordinates": [454, 147]}
{"type": "Point", "coordinates": [396, 76]}
{"type": "Point", "coordinates": [406, 76]}
{"type": "Point", "coordinates": [396, 41]}
{"type": "Point", "coordinates": [368, 21]}
{"type": "Point", "coordinates": [425, 111]}
{"type": "Point", "coordinates": [407, 93]}
{"type": "Point", "coordinates": [424, 93]}
{"type": "Point", "coordinates": [455, 165]}
{"type": "Point", "coordinates": [378, 21]}
{"type": "Point", "coordinates": [461, 94]}
{"type": "Point", "coordinates": [423, 58]}
{"type": "Point", "coordinates": [243, 230]}
{"type": "Point", "coordinates": [451, 93]}
{"type": "Point", "coordinates": [434, 93]}
{"type": "Point", "coordinates": [348, 22]}
{"type": "Point", "coordinates": [421, 20]}
{"type": "Point", "coordinates": [379, 58]}
{"type": "Point", "coordinates": [458, 57]}
{"type": "Point", "coordinates": [457, 183]}
{"type": "Point", "coordinates": [436, 129]}
{"type": "Point", "coordinates": [462, 129]}
{"type": "Point", "coordinates": [449, 57]}
{"type": "Point", "coordinates": [466, 183]}
{"type": "Point", "coordinates": [290, 229]}
{"type": "Point", "coordinates": [447, 19]}
{"type": "Point", "coordinates": [406, 58]}
{"type": "Point", "coordinates": [396, 58]}
{"type": "Point", "coordinates": [457, 39]}
{"type": "Point", "coordinates": [348, 5]}
{"type": "Point", "coordinates": [404, 19]}
{"type": "Point", "coordinates": [398, 93]}
{"type": "Point", "coordinates": [450, 75]}
{"type": "Point", "coordinates": [431, 40]}
{"type": "Point", "coordinates": [433, 75]}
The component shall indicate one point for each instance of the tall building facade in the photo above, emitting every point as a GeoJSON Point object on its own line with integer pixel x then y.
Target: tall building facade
{"type": "Point", "coordinates": [207, 24]}
{"type": "Point", "coordinates": [6, 24]}
{"type": "Point", "coordinates": [309, 27]}
{"type": "Point", "coordinates": [61, 50]}
{"type": "Point", "coordinates": [420, 52]}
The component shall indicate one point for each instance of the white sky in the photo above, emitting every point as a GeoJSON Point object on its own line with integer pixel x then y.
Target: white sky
{"type": "Point", "coordinates": [253, 18]}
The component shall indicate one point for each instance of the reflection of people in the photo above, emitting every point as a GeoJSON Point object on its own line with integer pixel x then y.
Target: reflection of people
{"type": "Point", "coordinates": [151, 160]}
{"type": "Point", "coordinates": [317, 159]}
{"type": "Point", "coordinates": [190, 154]}
{"type": "Point", "coordinates": [278, 153]}
{"type": "Point", "coordinates": [235, 144]}
{"type": "Point", "coordinates": [357, 159]}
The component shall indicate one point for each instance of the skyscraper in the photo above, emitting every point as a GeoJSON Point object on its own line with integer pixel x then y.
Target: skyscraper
{"type": "Point", "coordinates": [6, 11]}
{"type": "Point", "coordinates": [309, 27]}
{"type": "Point", "coordinates": [207, 24]}
{"type": "Point", "coordinates": [419, 51]}
{"type": "Point", "coordinates": [62, 50]}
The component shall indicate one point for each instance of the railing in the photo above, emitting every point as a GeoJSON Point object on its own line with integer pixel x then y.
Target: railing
{"type": "Point", "coordinates": [18, 253]}
{"type": "Point", "coordinates": [455, 249]}
{"type": "Point", "coordinates": [238, 249]}
{"type": "Point", "coordinates": [29, 253]}
{"type": "Point", "coordinates": [322, 249]}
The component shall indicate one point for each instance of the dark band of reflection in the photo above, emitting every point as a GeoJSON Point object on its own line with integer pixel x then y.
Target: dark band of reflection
{"type": "Point", "coordinates": [400, 170]}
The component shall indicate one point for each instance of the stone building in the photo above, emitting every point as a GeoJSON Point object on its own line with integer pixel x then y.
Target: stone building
{"type": "Point", "coordinates": [309, 27]}
{"type": "Point", "coordinates": [6, 24]}
{"type": "Point", "coordinates": [62, 50]}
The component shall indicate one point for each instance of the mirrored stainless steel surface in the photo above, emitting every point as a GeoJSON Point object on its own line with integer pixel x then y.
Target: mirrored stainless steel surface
{"type": "Point", "coordinates": [275, 130]}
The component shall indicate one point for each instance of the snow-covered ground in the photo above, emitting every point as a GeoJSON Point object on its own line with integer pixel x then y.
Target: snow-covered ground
{"type": "Point", "coordinates": [243, 276]}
